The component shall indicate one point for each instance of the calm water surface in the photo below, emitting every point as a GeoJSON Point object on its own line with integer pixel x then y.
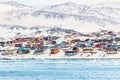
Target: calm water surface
{"type": "Point", "coordinates": [100, 69]}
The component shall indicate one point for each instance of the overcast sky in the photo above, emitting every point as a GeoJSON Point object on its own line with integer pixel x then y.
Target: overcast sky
{"type": "Point", "coordinates": [52, 2]}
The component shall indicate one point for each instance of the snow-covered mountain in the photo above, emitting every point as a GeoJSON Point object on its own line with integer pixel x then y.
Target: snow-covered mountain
{"type": "Point", "coordinates": [68, 16]}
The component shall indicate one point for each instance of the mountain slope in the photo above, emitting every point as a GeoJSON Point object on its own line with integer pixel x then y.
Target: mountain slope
{"type": "Point", "coordinates": [81, 18]}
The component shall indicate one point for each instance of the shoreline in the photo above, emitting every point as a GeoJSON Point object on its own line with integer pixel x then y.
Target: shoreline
{"type": "Point", "coordinates": [60, 56]}
{"type": "Point", "coordinates": [34, 58]}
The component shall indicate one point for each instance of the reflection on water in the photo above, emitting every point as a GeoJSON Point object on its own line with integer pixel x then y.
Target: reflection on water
{"type": "Point", "coordinates": [92, 69]}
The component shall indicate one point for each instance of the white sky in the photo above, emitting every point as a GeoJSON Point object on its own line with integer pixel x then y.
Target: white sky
{"type": "Point", "coordinates": [53, 2]}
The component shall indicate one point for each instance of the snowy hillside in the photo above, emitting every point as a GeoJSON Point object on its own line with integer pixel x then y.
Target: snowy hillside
{"type": "Point", "coordinates": [68, 16]}
{"type": "Point", "coordinates": [110, 10]}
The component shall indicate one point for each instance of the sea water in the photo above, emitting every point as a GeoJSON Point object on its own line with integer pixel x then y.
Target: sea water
{"type": "Point", "coordinates": [38, 69]}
